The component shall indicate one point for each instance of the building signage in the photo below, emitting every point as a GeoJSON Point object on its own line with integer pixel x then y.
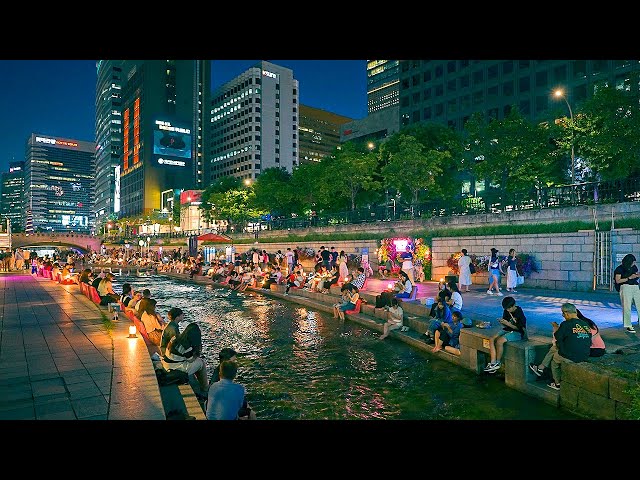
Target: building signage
{"type": "Point", "coordinates": [172, 145]}
{"type": "Point", "coordinates": [177, 163]}
{"type": "Point", "coordinates": [54, 141]}
{"type": "Point", "coordinates": [266, 73]}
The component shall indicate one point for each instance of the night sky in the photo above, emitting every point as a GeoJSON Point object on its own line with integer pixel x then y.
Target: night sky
{"type": "Point", "coordinates": [57, 97]}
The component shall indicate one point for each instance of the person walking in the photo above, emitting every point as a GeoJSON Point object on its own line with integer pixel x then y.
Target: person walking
{"type": "Point", "coordinates": [464, 263]}
{"type": "Point", "coordinates": [407, 263]}
{"type": "Point", "coordinates": [512, 273]}
{"type": "Point", "coordinates": [626, 282]}
{"type": "Point", "coordinates": [494, 273]}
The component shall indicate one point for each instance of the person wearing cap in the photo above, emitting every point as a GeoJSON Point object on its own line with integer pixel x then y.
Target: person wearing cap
{"type": "Point", "coordinates": [494, 273]}
{"type": "Point", "coordinates": [105, 290]}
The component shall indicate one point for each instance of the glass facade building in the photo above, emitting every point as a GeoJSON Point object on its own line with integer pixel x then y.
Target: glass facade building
{"type": "Point", "coordinates": [162, 131]}
{"type": "Point", "coordinates": [382, 84]}
{"type": "Point", "coordinates": [59, 183]}
{"type": "Point", "coordinates": [12, 204]}
{"type": "Point", "coordinates": [111, 74]}
{"type": "Point", "coordinates": [450, 91]}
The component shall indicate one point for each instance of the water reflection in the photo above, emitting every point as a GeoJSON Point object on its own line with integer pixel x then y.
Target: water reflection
{"type": "Point", "coordinates": [297, 363]}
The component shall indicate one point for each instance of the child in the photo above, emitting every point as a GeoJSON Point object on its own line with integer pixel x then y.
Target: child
{"type": "Point", "coordinates": [515, 324]}
{"type": "Point", "coordinates": [447, 336]}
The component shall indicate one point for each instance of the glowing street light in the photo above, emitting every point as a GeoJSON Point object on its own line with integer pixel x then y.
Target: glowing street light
{"type": "Point", "coordinates": [560, 94]}
{"type": "Point", "coordinates": [371, 145]}
{"type": "Point", "coordinates": [247, 181]}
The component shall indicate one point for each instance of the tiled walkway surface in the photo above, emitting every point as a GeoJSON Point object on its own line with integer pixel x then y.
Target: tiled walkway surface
{"type": "Point", "coordinates": [58, 360]}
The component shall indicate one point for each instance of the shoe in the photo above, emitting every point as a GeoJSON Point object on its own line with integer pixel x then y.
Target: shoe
{"type": "Point", "coordinates": [534, 368]}
{"type": "Point", "coordinates": [499, 293]}
{"type": "Point", "coordinates": [555, 386]}
{"type": "Point", "coordinates": [286, 293]}
{"type": "Point", "coordinates": [630, 329]}
{"type": "Point", "coordinates": [514, 291]}
{"type": "Point", "coordinates": [489, 292]}
{"type": "Point", "coordinates": [492, 367]}
{"type": "Point", "coordinates": [155, 357]}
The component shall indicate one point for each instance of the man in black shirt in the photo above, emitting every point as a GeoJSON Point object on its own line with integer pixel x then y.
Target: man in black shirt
{"type": "Point", "coordinates": [326, 255]}
{"type": "Point", "coordinates": [626, 282]}
{"type": "Point", "coordinates": [514, 328]}
{"type": "Point", "coordinates": [572, 343]}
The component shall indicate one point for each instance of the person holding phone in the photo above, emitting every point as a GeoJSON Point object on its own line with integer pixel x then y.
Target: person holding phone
{"type": "Point", "coordinates": [626, 282]}
{"type": "Point", "coordinates": [514, 328]}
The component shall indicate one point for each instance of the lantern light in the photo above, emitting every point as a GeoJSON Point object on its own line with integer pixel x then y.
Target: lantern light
{"type": "Point", "coordinates": [132, 331]}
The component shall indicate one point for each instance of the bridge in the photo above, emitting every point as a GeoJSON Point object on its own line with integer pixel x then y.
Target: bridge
{"type": "Point", "coordinates": [77, 240]}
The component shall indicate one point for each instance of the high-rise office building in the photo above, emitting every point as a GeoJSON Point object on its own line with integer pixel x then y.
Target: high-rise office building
{"type": "Point", "coordinates": [319, 133]}
{"type": "Point", "coordinates": [162, 128]}
{"type": "Point", "coordinates": [254, 123]}
{"type": "Point", "coordinates": [382, 84]}
{"type": "Point", "coordinates": [58, 183]}
{"type": "Point", "coordinates": [111, 74]}
{"type": "Point", "coordinates": [450, 91]}
{"type": "Point", "coordinates": [12, 204]}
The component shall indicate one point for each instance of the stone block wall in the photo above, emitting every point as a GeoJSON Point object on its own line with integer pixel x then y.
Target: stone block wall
{"type": "Point", "coordinates": [564, 260]}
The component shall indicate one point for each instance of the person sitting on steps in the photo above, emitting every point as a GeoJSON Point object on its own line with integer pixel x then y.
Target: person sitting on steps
{"type": "Point", "coordinates": [514, 328]}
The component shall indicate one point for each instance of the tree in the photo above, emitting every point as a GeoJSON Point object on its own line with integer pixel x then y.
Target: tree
{"type": "Point", "coordinates": [311, 186]}
{"type": "Point", "coordinates": [213, 194]}
{"type": "Point", "coordinates": [514, 152]}
{"type": "Point", "coordinates": [412, 169]}
{"type": "Point", "coordinates": [273, 191]}
{"type": "Point", "coordinates": [352, 171]}
{"type": "Point", "coordinates": [607, 127]}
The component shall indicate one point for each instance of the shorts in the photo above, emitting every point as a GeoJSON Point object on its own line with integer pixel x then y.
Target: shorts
{"type": "Point", "coordinates": [511, 336]}
{"type": "Point", "coordinates": [496, 272]}
{"type": "Point", "coordinates": [347, 306]}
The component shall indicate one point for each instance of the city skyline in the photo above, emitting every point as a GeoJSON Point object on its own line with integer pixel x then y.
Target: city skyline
{"type": "Point", "coordinates": [57, 97]}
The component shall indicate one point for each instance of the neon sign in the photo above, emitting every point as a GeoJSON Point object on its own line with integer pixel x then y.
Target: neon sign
{"type": "Point", "coordinates": [54, 141]}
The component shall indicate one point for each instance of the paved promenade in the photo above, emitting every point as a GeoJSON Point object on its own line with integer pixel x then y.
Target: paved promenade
{"type": "Point", "coordinates": [58, 361]}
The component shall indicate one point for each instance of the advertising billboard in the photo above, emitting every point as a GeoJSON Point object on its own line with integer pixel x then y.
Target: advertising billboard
{"type": "Point", "coordinates": [171, 145]}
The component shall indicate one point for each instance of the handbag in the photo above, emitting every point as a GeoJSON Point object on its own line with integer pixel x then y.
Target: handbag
{"type": "Point", "coordinates": [519, 280]}
{"type": "Point", "coordinates": [472, 268]}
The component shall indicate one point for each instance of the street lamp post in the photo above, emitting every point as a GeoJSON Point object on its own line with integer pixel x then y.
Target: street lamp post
{"type": "Point", "coordinates": [560, 94]}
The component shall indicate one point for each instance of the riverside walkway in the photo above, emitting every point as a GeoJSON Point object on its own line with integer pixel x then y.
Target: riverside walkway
{"type": "Point", "coordinates": [59, 361]}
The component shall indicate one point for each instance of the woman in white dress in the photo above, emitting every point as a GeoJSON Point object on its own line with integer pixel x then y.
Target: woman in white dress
{"type": "Point", "coordinates": [465, 273]}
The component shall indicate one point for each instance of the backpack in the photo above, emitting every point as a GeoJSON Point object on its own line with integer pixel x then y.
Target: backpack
{"type": "Point", "coordinates": [472, 268]}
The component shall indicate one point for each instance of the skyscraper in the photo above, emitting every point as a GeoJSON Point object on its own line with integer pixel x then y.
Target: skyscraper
{"type": "Point", "coordinates": [111, 74]}
{"type": "Point", "coordinates": [382, 84]}
{"type": "Point", "coordinates": [162, 128]}
{"type": "Point", "coordinates": [12, 203]}
{"type": "Point", "coordinates": [58, 182]}
{"type": "Point", "coordinates": [450, 91]}
{"type": "Point", "coordinates": [254, 123]}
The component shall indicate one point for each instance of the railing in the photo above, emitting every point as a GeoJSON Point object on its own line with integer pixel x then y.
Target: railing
{"type": "Point", "coordinates": [589, 193]}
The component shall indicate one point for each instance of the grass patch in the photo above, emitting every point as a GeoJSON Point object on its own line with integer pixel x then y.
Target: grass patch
{"type": "Point", "coordinates": [428, 234]}
{"type": "Point", "coordinates": [107, 323]}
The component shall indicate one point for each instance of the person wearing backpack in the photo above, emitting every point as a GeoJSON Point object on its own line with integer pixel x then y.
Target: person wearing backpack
{"type": "Point", "coordinates": [626, 282]}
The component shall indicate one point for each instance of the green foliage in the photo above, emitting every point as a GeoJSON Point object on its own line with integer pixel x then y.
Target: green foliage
{"type": "Point", "coordinates": [273, 192]}
{"type": "Point", "coordinates": [633, 413]}
{"type": "Point", "coordinates": [607, 128]}
{"type": "Point", "coordinates": [514, 152]}
{"type": "Point", "coordinates": [352, 172]}
{"type": "Point", "coordinates": [411, 169]}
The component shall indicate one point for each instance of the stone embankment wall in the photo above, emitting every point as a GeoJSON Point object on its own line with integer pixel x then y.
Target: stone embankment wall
{"type": "Point", "coordinates": [518, 217]}
{"type": "Point", "coordinates": [565, 261]}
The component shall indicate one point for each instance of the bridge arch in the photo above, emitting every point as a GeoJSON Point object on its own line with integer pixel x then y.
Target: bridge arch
{"type": "Point", "coordinates": [77, 240]}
